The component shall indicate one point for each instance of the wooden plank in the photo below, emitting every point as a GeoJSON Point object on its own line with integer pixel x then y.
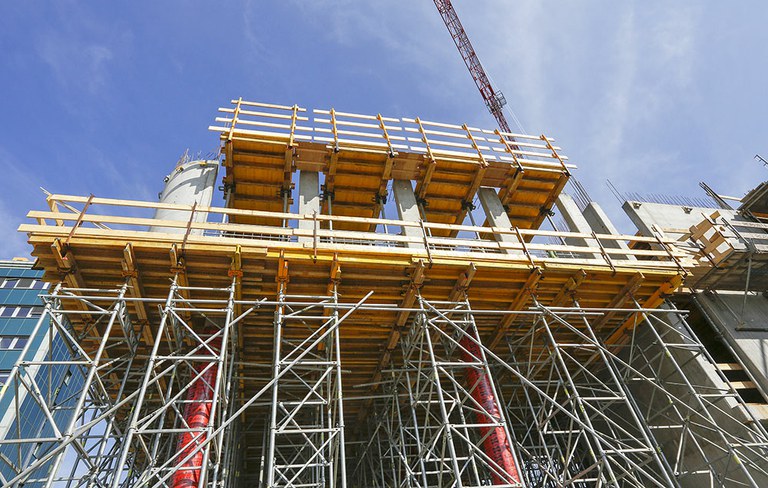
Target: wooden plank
{"type": "Point", "coordinates": [522, 297]}
{"type": "Point", "coordinates": [729, 367]}
{"type": "Point", "coordinates": [656, 299]}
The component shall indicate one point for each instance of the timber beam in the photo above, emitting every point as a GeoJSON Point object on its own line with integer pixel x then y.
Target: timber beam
{"type": "Point", "coordinates": [529, 288]}
{"type": "Point", "coordinates": [136, 290]}
{"type": "Point", "coordinates": [620, 299]}
{"type": "Point", "coordinates": [569, 287]}
{"type": "Point", "coordinates": [621, 334]}
{"type": "Point", "coordinates": [416, 281]}
{"type": "Point", "coordinates": [69, 273]}
{"type": "Point", "coordinates": [459, 290]}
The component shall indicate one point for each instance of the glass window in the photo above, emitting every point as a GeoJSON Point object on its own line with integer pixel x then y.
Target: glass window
{"type": "Point", "coordinates": [9, 282]}
{"type": "Point", "coordinates": [4, 377]}
{"type": "Point", "coordinates": [12, 342]}
{"type": "Point", "coordinates": [39, 285]}
{"type": "Point", "coordinates": [36, 312]}
{"type": "Point", "coordinates": [25, 283]}
{"type": "Point", "coordinates": [7, 311]}
{"type": "Point", "coordinates": [24, 312]}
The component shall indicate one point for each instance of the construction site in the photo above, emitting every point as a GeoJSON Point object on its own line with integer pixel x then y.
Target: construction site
{"type": "Point", "coordinates": [387, 301]}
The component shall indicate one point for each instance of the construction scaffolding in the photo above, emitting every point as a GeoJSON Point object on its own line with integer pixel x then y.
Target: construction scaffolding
{"type": "Point", "coordinates": [571, 407]}
{"type": "Point", "coordinates": [318, 343]}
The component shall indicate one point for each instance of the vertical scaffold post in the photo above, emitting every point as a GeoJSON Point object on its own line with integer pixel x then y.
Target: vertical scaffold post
{"type": "Point", "coordinates": [306, 426]}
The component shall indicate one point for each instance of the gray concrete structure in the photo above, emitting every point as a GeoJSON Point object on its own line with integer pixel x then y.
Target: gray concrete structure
{"type": "Point", "coordinates": [497, 217]}
{"type": "Point", "coordinates": [700, 380]}
{"type": "Point", "coordinates": [576, 223]}
{"type": "Point", "coordinates": [743, 325]}
{"type": "Point", "coordinates": [668, 221]}
{"type": "Point", "coordinates": [600, 223]}
{"type": "Point", "coordinates": [190, 183]}
{"type": "Point", "coordinates": [408, 209]}
{"type": "Point", "coordinates": [309, 200]}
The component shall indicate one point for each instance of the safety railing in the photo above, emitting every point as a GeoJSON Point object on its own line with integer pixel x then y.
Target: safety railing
{"type": "Point", "coordinates": [293, 124]}
{"type": "Point", "coordinates": [75, 216]}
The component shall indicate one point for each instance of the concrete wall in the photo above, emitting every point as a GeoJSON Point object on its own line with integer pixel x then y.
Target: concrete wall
{"type": "Point", "coordinates": [671, 221]}
{"type": "Point", "coordinates": [686, 373]}
{"type": "Point", "coordinates": [600, 223]}
{"type": "Point", "coordinates": [747, 335]}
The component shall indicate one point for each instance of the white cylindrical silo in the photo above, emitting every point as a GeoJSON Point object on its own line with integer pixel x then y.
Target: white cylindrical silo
{"type": "Point", "coordinates": [191, 182]}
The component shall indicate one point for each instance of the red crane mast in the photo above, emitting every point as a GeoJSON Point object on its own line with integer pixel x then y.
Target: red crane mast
{"type": "Point", "coordinates": [494, 99]}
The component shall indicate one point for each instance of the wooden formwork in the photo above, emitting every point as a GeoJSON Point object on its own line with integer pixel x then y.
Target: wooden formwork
{"type": "Point", "coordinates": [264, 144]}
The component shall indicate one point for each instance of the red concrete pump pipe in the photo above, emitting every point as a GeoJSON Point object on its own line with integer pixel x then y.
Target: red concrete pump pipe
{"type": "Point", "coordinates": [197, 415]}
{"type": "Point", "coordinates": [496, 445]}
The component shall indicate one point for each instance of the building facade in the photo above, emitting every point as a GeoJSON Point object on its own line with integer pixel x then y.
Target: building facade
{"type": "Point", "coordinates": [20, 307]}
{"type": "Point", "coordinates": [25, 334]}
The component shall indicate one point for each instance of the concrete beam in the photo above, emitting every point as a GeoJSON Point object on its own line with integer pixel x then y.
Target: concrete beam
{"type": "Point", "coordinates": [600, 223]}
{"type": "Point", "coordinates": [669, 221]}
{"type": "Point", "coordinates": [497, 216]}
{"type": "Point", "coordinates": [408, 209]}
{"type": "Point", "coordinates": [309, 199]}
{"type": "Point", "coordinates": [576, 223]}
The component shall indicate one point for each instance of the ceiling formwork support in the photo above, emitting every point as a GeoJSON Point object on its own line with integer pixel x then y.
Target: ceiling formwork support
{"type": "Point", "coordinates": [160, 439]}
{"type": "Point", "coordinates": [385, 459]}
{"type": "Point", "coordinates": [655, 409]}
{"type": "Point", "coordinates": [71, 391]}
{"type": "Point", "coordinates": [570, 413]}
{"type": "Point", "coordinates": [434, 427]}
{"type": "Point", "coordinates": [306, 433]}
{"type": "Point", "coordinates": [117, 316]}
{"type": "Point", "coordinates": [704, 428]}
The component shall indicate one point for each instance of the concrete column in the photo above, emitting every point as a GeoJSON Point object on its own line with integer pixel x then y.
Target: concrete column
{"type": "Point", "coordinates": [497, 216]}
{"type": "Point", "coordinates": [309, 200]}
{"type": "Point", "coordinates": [408, 209]}
{"type": "Point", "coordinates": [576, 223]}
{"type": "Point", "coordinates": [601, 224]}
{"type": "Point", "coordinates": [191, 182]}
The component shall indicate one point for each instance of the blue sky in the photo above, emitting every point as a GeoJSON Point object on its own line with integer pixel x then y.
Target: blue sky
{"type": "Point", "coordinates": [104, 97]}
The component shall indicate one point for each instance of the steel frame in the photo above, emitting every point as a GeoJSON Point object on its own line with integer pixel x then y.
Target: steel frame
{"type": "Point", "coordinates": [579, 410]}
{"type": "Point", "coordinates": [306, 432]}
{"type": "Point", "coordinates": [574, 421]}
{"type": "Point", "coordinates": [431, 424]}
{"type": "Point", "coordinates": [78, 417]}
{"type": "Point", "coordinates": [707, 433]}
{"type": "Point", "coordinates": [193, 338]}
{"type": "Point", "coordinates": [650, 411]}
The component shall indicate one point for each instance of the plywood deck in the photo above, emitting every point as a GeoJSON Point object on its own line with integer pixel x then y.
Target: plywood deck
{"type": "Point", "coordinates": [359, 155]}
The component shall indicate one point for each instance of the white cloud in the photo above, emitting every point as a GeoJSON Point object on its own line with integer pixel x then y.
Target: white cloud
{"type": "Point", "coordinates": [120, 179]}
{"type": "Point", "coordinates": [80, 50]}
{"type": "Point", "coordinates": [616, 107]}
{"type": "Point", "coordinates": [674, 40]}
{"type": "Point", "coordinates": [398, 28]}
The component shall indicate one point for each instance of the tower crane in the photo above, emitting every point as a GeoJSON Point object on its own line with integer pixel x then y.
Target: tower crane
{"type": "Point", "coordinates": [494, 99]}
{"type": "Point", "coordinates": [496, 444]}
